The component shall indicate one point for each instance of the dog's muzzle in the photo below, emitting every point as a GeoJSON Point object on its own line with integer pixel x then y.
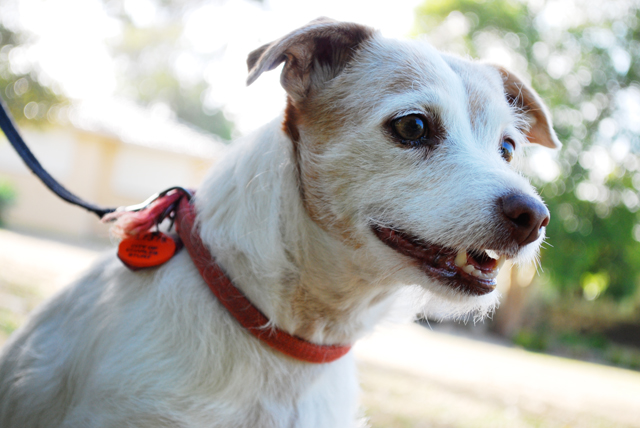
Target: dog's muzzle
{"type": "Point", "coordinates": [470, 271]}
{"type": "Point", "coordinates": [474, 271]}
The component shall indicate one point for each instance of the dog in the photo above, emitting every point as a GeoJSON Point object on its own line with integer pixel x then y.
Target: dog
{"type": "Point", "coordinates": [391, 169]}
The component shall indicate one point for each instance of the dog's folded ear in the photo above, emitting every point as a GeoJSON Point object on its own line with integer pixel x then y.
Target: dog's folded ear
{"type": "Point", "coordinates": [312, 55]}
{"type": "Point", "coordinates": [523, 97]}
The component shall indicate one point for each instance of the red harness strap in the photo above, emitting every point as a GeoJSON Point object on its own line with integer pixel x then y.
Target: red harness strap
{"type": "Point", "coordinates": [238, 305]}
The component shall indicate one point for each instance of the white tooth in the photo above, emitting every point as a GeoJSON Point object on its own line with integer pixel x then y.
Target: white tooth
{"type": "Point", "coordinates": [461, 258]}
{"type": "Point", "coordinates": [492, 254]}
{"type": "Point", "coordinates": [482, 275]}
{"type": "Point", "coordinates": [501, 261]}
{"type": "Point", "coordinates": [478, 274]}
{"type": "Point", "coordinates": [469, 269]}
{"type": "Point", "coordinates": [492, 274]}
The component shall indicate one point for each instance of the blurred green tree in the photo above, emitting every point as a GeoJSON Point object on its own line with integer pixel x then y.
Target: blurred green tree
{"type": "Point", "coordinates": [583, 58]}
{"type": "Point", "coordinates": [147, 53]}
{"type": "Point", "coordinates": [29, 94]}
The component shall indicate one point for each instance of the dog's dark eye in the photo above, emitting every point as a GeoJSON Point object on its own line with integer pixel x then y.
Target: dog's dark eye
{"type": "Point", "coordinates": [410, 128]}
{"type": "Point", "coordinates": [506, 149]}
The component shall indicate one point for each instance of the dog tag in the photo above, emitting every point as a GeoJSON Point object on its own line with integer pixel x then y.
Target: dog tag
{"type": "Point", "coordinates": [146, 250]}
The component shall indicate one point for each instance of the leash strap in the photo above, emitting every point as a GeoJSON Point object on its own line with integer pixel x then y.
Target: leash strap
{"type": "Point", "coordinates": [8, 126]}
{"type": "Point", "coordinates": [11, 132]}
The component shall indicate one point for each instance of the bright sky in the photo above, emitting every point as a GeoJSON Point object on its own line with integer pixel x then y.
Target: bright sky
{"type": "Point", "coordinates": [72, 51]}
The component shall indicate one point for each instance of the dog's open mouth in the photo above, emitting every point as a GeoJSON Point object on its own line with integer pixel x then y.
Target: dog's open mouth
{"type": "Point", "coordinates": [472, 270]}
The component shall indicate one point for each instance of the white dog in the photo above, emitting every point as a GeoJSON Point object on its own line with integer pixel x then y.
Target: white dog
{"type": "Point", "coordinates": [390, 167]}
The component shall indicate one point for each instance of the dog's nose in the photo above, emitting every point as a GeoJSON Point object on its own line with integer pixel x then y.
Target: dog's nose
{"type": "Point", "coordinates": [525, 215]}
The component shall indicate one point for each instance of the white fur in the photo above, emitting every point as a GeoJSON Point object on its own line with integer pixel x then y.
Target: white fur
{"type": "Point", "coordinates": [154, 348]}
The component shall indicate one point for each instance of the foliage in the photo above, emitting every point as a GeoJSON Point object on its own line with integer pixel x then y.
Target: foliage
{"type": "Point", "coordinates": [7, 196]}
{"type": "Point", "coordinates": [30, 96]}
{"type": "Point", "coordinates": [584, 59]}
{"type": "Point", "coordinates": [148, 54]}
{"type": "Point", "coordinates": [145, 55]}
{"type": "Point", "coordinates": [587, 346]}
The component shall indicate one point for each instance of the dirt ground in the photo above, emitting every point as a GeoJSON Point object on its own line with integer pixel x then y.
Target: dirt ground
{"type": "Point", "coordinates": [411, 376]}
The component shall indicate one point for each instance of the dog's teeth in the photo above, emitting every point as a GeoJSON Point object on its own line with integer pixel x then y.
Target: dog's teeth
{"type": "Point", "coordinates": [461, 262]}
{"type": "Point", "coordinates": [488, 275]}
{"type": "Point", "coordinates": [469, 269]}
{"type": "Point", "coordinates": [461, 258]}
{"type": "Point", "coordinates": [492, 254]}
{"type": "Point", "coordinates": [501, 261]}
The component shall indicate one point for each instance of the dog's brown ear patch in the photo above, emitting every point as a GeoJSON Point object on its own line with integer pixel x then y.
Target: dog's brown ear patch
{"type": "Point", "coordinates": [312, 55]}
{"type": "Point", "coordinates": [525, 98]}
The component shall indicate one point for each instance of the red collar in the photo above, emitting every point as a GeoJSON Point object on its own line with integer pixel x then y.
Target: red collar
{"type": "Point", "coordinates": [238, 305]}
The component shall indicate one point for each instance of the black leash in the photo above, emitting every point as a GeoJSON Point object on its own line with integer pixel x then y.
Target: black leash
{"type": "Point", "coordinates": [9, 128]}
{"type": "Point", "coordinates": [11, 132]}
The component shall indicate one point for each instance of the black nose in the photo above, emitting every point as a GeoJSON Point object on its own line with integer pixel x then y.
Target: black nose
{"type": "Point", "coordinates": [525, 216]}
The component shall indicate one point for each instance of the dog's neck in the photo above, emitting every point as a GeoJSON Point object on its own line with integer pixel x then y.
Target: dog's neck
{"type": "Point", "coordinates": [304, 280]}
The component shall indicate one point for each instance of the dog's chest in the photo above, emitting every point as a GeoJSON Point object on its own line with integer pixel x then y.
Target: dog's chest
{"type": "Point", "coordinates": [323, 397]}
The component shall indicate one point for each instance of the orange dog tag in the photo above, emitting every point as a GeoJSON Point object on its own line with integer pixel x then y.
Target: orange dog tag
{"type": "Point", "coordinates": [147, 250]}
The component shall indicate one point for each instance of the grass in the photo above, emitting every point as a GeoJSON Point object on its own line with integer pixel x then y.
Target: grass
{"type": "Point", "coordinates": [395, 399]}
{"type": "Point", "coordinates": [594, 347]}
{"type": "Point", "coordinates": [16, 303]}
{"type": "Point", "coordinates": [572, 327]}
{"type": "Point", "coordinates": [9, 322]}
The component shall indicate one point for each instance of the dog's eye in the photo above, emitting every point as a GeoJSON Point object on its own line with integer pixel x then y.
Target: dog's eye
{"type": "Point", "coordinates": [410, 128]}
{"type": "Point", "coordinates": [506, 149]}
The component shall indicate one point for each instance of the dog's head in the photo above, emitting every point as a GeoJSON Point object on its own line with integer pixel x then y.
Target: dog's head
{"type": "Point", "coordinates": [407, 155]}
